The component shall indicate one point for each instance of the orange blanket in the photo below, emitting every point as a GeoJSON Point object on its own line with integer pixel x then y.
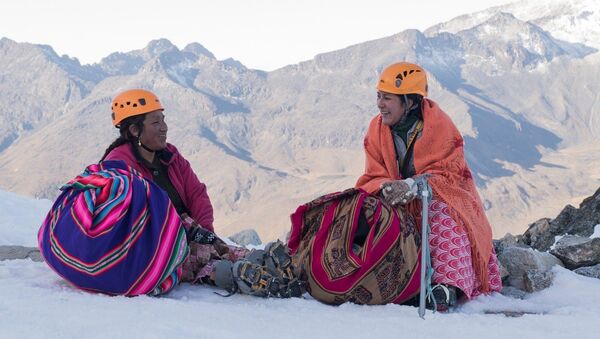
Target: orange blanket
{"type": "Point", "coordinates": [438, 152]}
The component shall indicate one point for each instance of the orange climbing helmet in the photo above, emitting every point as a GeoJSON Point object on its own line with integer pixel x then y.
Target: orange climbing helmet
{"type": "Point", "coordinates": [403, 78]}
{"type": "Point", "coordinates": [133, 102]}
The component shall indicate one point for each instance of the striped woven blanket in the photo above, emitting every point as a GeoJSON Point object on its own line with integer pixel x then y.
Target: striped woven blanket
{"type": "Point", "coordinates": [381, 268]}
{"type": "Point", "coordinates": [112, 231]}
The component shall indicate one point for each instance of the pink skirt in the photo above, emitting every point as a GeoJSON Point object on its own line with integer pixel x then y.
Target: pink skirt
{"type": "Point", "coordinates": [451, 254]}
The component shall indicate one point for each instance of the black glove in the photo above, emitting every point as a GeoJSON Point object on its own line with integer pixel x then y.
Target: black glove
{"type": "Point", "coordinates": [200, 235]}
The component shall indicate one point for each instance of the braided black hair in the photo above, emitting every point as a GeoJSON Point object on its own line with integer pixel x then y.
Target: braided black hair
{"type": "Point", "coordinates": [417, 99]}
{"type": "Point", "coordinates": [125, 135]}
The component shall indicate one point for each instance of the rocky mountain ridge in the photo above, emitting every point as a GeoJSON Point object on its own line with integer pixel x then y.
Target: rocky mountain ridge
{"type": "Point", "coordinates": [527, 102]}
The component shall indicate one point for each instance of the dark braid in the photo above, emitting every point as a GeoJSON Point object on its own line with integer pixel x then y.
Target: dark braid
{"type": "Point", "coordinates": [126, 136]}
{"type": "Point", "coordinates": [416, 99]}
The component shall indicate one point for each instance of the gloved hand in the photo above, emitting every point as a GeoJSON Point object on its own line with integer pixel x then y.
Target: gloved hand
{"type": "Point", "coordinates": [399, 192]}
{"type": "Point", "coordinates": [200, 235]}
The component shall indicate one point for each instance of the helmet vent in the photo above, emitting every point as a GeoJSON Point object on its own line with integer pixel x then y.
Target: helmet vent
{"type": "Point", "coordinates": [128, 103]}
{"type": "Point", "coordinates": [404, 74]}
{"type": "Point", "coordinates": [142, 101]}
{"type": "Point", "coordinates": [134, 105]}
{"type": "Point", "coordinates": [403, 78]}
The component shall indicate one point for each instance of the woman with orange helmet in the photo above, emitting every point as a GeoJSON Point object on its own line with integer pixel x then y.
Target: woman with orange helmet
{"type": "Point", "coordinates": [412, 137]}
{"type": "Point", "coordinates": [140, 221]}
{"type": "Point", "coordinates": [361, 245]}
{"type": "Point", "coordinates": [142, 145]}
{"type": "Point", "coordinates": [123, 226]}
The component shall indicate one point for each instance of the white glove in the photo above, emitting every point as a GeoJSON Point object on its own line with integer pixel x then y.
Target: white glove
{"type": "Point", "coordinates": [399, 192]}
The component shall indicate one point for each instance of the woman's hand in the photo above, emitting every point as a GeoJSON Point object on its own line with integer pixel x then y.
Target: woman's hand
{"type": "Point", "coordinates": [200, 235]}
{"type": "Point", "coordinates": [399, 192]}
{"type": "Point", "coordinates": [195, 232]}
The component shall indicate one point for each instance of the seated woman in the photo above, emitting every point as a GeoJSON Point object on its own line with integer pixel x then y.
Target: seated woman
{"type": "Point", "coordinates": [142, 145]}
{"type": "Point", "coordinates": [411, 137]}
{"type": "Point", "coordinates": [143, 188]}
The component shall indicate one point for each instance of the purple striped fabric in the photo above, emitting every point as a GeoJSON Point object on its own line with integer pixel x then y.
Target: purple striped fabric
{"type": "Point", "coordinates": [112, 231]}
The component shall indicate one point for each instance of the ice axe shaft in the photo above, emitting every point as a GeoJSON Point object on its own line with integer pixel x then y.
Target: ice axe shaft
{"type": "Point", "coordinates": [424, 194]}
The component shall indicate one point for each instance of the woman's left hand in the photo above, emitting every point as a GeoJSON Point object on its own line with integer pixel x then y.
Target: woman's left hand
{"type": "Point", "coordinates": [200, 235]}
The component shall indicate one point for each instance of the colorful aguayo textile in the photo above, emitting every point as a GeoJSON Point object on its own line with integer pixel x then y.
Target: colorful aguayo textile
{"type": "Point", "coordinates": [111, 231]}
{"type": "Point", "coordinates": [384, 270]}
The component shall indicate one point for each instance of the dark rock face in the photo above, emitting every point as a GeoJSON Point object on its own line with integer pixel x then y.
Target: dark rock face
{"type": "Point", "coordinates": [575, 221]}
{"type": "Point", "coordinates": [575, 251]}
{"type": "Point", "coordinates": [590, 271]}
{"type": "Point", "coordinates": [538, 234]}
{"type": "Point", "coordinates": [587, 217]}
{"type": "Point", "coordinates": [537, 281]}
{"type": "Point", "coordinates": [521, 261]}
{"type": "Point", "coordinates": [246, 237]}
{"type": "Point", "coordinates": [508, 241]}
{"type": "Point", "coordinates": [526, 260]}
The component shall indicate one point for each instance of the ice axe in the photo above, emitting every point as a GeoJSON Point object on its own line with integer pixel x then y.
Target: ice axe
{"type": "Point", "coordinates": [424, 193]}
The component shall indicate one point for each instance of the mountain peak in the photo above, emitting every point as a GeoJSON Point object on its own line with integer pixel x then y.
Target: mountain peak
{"type": "Point", "coordinates": [505, 26]}
{"type": "Point", "coordinates": [198, 49]}
{"type": "Point", "coordinates": [159, 46]}
{"type": "Point", "coordinates": [5, 40]}
{"type": "Point", "coordinates": [574, 21]}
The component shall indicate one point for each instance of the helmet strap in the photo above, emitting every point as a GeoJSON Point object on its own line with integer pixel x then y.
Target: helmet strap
{"type": "Point", "coordinates": [139, 142]}
{"type": "Point", "coordinates": [406, 108]}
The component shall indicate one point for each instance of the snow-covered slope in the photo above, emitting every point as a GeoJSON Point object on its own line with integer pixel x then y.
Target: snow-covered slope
{"type": "Point", "coordinates": [576, 21]}
{"type": "Point", "coordinates": [20, 218]}
{"type": "Point", "coordinates": [36, 303]}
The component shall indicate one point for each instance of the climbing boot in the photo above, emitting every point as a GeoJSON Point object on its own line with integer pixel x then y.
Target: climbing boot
{"type": "Point", "coordinates": [255, 280]}
{"type": "Point", "coordinates": [442, 297]}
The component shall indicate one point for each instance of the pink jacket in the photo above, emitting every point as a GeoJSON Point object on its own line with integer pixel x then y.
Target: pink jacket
{"type": "Point", "coordinates": [191, 190]}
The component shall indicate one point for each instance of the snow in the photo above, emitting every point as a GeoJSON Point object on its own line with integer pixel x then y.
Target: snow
{"type": "Point", "coordinates": [37, 303]}
{"type": "Point", "coordinates": [574, 21]}
{"type": "Point", "coordinates": [20, 218]}
{"type": "Point", "coordinates": [556, 240]}
{"type": "Point", "coordinates": [596, 233]}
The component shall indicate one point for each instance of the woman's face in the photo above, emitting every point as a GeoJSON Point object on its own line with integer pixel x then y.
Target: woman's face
{"type": "Point", "coordinates": [390, 107]}
{"type": "Point", "coordinates": [154, 135]}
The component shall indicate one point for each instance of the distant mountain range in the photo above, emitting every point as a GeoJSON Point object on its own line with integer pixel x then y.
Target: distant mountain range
{"type": "Point", "coordinates": [520, 82]}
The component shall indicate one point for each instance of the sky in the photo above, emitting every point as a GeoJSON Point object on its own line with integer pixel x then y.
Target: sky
{"type": "Point", "coordinates": [262, 34]}
{"type": "Point", "coordinates": [36, 303]}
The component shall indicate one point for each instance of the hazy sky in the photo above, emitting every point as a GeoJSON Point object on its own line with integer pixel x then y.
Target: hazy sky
{"type": "Point", "coordinates": [262, 34]}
